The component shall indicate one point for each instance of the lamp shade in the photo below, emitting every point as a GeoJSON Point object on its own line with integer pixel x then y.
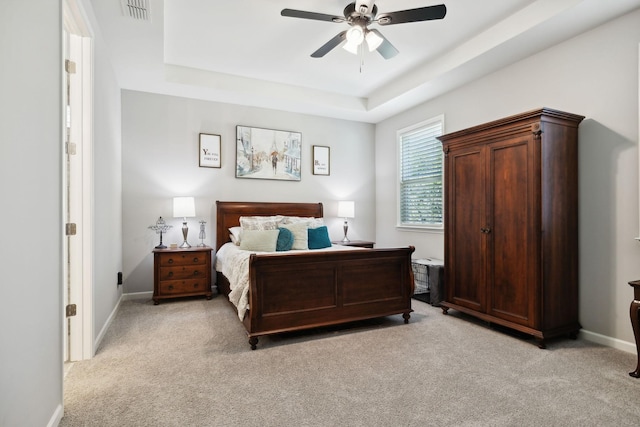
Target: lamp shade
{"type": "Point", "coordinates": [346, 209]}
{"type": "Point", "coordinates": [183, 207]}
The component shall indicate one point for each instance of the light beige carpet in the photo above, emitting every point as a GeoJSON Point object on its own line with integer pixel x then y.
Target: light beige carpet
{"type": "Point", "coordinates": [188, 363]}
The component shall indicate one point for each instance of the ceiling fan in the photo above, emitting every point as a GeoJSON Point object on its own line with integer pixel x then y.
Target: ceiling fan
{"type": "Point", "coordinates": [359, 15]}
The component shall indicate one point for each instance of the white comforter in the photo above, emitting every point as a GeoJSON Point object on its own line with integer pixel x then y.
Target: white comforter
{"type": "Point", "coordinates": [233, 262]}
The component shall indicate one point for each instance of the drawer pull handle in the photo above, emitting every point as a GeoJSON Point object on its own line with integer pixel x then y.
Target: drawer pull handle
{"type": "Point", "coordinates": [196, 273]}
{"type": "Point", "coordinates": [170, 287]}
{"type": "Point", "coordinates": [195, 259]}
{"type": "Point", "coordinates": [170, 274]}
{"type": "Point", "coordinates": [170, 261]}
{"type": "Point", "coordinates": [195, 285]}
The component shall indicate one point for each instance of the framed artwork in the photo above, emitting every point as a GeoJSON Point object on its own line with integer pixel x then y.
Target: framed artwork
{"type": "Point", "coordinates": [268, 154]}
{"type": "Point", "coordinates": [209, 150]}
{"type": "Point", "coordinates": [321, 160]}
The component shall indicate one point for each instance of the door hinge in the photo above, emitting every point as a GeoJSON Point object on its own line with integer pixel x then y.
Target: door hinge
{"type": "Point", "coordinates": [71, 148]}
{"type": "Point", "coordinates": [70, 229]}
{"type": "Point", "coordinates": [71, 310]}
{"type": "Point", "coordinates": [69, 66]}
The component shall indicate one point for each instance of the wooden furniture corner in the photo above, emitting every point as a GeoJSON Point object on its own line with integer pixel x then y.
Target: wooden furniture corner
{"type": "Point", "coordinates": [356, 243]}
{"type": "Point", "coordinates": [635, 322]}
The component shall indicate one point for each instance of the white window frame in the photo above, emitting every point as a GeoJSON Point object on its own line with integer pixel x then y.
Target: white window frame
{"type": "Point", "coordinates": [436, 227]}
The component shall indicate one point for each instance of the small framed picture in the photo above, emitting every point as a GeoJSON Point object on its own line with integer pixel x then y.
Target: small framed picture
{"type": "Point", "coordinates": [209, 150]}
{"type": "Point", "coordinates": [321, 160]}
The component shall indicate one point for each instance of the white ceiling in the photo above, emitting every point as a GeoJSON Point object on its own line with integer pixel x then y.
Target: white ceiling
{"type": "Point", "coordinates": [245, 52]}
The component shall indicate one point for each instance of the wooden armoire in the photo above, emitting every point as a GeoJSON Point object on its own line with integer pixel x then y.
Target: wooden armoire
{"type": "Point", "coordinates": [511, 222]}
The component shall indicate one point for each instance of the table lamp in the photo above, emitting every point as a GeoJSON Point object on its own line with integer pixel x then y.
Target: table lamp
{"type": "Point", "coordinates": [160, 228]}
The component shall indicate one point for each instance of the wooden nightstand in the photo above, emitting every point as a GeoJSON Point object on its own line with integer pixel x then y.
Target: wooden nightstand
{"type": "Point", "coordinates": [358, 243]}
{"type": "Point", "coordinates": [181, 273]}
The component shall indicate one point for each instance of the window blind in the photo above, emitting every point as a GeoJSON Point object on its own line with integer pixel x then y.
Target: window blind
{"type": "Point", "coordinates": [421, 176]}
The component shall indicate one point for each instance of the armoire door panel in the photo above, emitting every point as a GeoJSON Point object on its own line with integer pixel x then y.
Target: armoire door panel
{"type": "Point", "coordinates": [509, 239]}
{"type": "Point", "coordinates": [467, 193]}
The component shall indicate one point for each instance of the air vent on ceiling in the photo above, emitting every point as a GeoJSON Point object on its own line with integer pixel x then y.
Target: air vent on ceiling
{"type": "Point", "coordinates": [136, 9]}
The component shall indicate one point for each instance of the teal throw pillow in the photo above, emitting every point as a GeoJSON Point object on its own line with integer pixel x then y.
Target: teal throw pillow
{"type": "Point", "coordinates": [285, 240]}
{"type": "Point", "coordinates": [319, 238]}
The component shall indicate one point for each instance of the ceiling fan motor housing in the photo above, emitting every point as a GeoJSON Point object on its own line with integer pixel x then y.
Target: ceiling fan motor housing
{"type": "Point", "coordinates": [360, 18]}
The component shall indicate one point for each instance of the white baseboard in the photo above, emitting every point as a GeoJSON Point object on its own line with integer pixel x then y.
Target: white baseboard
{"type": "Point", "coordinates": [56, 417]}
{"type": "Point", "coordinates": [137, 295]}
{"type": "Point", "coordinates": [625, 346]}
{"type": "Point", "coordinates": [106, 325]}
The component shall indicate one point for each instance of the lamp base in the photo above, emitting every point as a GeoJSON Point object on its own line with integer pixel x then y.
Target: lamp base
{"type": "Point", "coordinates": [345, 227]}
{"type": "Point", "coordinates": [185, 231]}
{"type": "Point", "coordinates": [161, 245]}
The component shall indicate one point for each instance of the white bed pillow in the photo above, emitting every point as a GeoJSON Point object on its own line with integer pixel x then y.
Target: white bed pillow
{"type": "Point", "coordinates": [260, 222]}
{"type": "Point", "coordinates": [311, 222]}
{"type": "Point", "coordinates": [235, 235]}
{"type": "Point", "coordinates": [259, 240]}
{"type": "Point", "coordinates": [300, 234]}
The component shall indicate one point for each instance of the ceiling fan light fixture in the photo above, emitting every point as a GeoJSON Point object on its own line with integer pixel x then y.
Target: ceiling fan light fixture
{"type": "Point", "coordinates": [351, 47]}
{"type": "Point", "coordinates": [355, 35]}
{"type": "Point", "coordinates": [373, 40]}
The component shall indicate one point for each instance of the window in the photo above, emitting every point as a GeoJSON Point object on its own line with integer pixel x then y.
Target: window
{"type": "Point", "coordinates": [420, 201]}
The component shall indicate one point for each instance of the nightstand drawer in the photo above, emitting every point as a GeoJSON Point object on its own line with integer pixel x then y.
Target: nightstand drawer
{"type": "Point", "coordinates": [183, 272]}
{"type": "Point", "coordinates": [167, 260]}
{"type": "Point", "coordinates": [171, 287]}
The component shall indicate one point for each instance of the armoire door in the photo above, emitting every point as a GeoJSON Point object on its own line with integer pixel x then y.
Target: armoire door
{"type": "Point", "coordinates": [511, 240]}
{"type": "Point", "coordinates": [465, 261]}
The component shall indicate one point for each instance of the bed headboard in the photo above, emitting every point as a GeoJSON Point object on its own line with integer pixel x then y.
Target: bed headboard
{"type": "Point", "coordinates": [228, 214]}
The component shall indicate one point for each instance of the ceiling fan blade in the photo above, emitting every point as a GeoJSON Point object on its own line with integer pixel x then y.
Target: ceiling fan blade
{"type": "Point", "coordinates": [426, 13]}
{"type": "Point", "coordinates": [311, 15]}
{"type": "Point", "coordinates": [328, 46]}
{"type": "Point", "coordinates": [386, 49]}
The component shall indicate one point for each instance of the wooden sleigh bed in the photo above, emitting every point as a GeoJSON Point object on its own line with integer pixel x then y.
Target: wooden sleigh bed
{"type": "Point", "coordinates": [315, 288]}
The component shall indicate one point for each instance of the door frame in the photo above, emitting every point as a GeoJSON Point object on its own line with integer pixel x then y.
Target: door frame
{"type": "Point", "coordinates": [79, 291]}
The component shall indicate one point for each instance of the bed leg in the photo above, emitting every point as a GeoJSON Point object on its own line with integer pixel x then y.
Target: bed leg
{"type": "Point", "coordinates": [253, 341]}
{"type": "Point", "coordinates": [406, 317]}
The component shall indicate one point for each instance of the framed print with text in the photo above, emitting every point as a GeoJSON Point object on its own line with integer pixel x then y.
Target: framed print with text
{"type": "Point", "coordinates": [209, 150]}
{"type": "Point", "coordinates": [321, 160]}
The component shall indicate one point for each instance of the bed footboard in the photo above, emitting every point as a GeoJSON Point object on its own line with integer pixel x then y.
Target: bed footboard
{"type": "Point", "coordinates": [320, 289]}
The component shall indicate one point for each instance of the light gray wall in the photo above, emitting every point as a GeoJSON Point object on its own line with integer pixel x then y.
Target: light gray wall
{"type": "Point", "coordinates": [595, 75]}
{"type": "Point", "coordinates": [31, 214]}
{"type": "Point", "coordinates": [31, 117]}
{"type": "Point", "coordinates": [107, 185]}
{"type": "Point", "coordinates": [160, 161]}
